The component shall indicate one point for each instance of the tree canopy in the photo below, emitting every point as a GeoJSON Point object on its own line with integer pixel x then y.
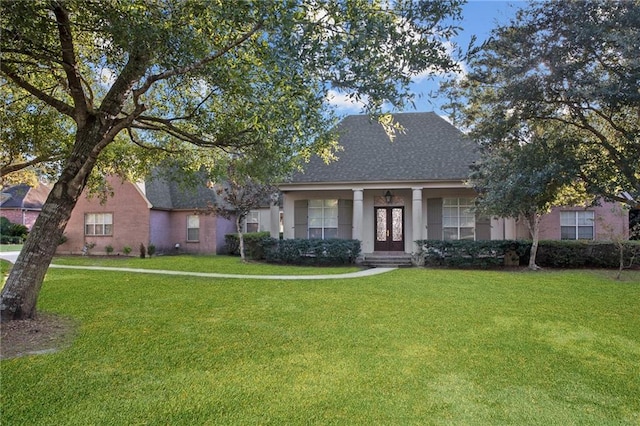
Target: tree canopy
{"type": "Point", "coordinates": [131, 82]}
{"type": "Point", "coordinates": [570, 66]}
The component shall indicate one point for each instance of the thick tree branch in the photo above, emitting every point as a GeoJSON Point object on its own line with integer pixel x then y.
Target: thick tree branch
{"type": "Point", "coordinates": [196, 65]}
{"type": "Point", "coordinates": [70, 65]}
{"type": "Point", "coordinates": [11, 168]}
{"type": "Point", "coordinates": [151, 147]}
{"type": "Point", "coordinates": [166, 125]}
{"type": "Point", "coordinates": [60, 106]}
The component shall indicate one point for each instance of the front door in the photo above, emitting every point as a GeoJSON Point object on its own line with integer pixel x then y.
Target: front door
{"type": "Point", "coordinates": [389, 229]}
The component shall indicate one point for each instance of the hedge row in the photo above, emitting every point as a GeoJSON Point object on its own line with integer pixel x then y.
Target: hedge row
{"type": "Point", "coordinates": [469, 253]}
{"type": "Point", "coordinates": [551, 254]}
{"type": "Point", "coordinates": [252, 244]}
{"type": "Point", "coordinates": [587, 254]}
{"type": "Point", "coordinates": [12, 233]}
{"type": "Point", "coordinates": [311, 252]}
{"type": "Point", "coordinates": [259, 246]}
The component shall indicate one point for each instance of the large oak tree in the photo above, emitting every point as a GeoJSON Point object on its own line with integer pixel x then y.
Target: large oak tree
{"type": "Point", "coordinates": [571, 67]}
{"type": "Point", "coordinates": [130, 81]}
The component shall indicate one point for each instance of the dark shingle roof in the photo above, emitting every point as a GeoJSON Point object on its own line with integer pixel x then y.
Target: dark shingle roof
{"type": "Point", "coordinates": [23, 196]}
{"type": "Point", "coordinates": [164, 193]}
{"type": "Point", "coordinates": [429, 149]}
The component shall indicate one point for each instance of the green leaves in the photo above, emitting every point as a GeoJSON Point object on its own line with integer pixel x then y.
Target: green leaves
{"type": "Point", "coordinates": [572, 67]}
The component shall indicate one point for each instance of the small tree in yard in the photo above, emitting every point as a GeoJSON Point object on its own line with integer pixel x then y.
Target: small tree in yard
{"type": "Point", "coordinates": [620, 240]}
{"type": "Point", "coordinates": [521, 181]}
{"type": "Point", "coordinates": [238, 195]}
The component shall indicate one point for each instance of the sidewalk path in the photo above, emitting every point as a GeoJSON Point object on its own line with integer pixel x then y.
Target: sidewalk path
{"type": "Point", "coordinates": [12, 256]}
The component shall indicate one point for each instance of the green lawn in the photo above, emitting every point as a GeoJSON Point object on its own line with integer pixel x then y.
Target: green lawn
{"type": "Point", "coordinates": [217, 264]}
{"type": "Point", "coordinates": [413, 346]}
{"type": "Point", "coordinates": [10, 247]}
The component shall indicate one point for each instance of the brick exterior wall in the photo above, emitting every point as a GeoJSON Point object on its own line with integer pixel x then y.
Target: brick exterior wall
{"type": "Point", "coordinates": [134, 222]}
{"type": "Point", "coordinates": [130, 212]}
{"type": "Point", "coordinates": [609, 222]}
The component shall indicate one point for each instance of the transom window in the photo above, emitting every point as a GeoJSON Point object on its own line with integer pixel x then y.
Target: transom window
{"type": "Point", "coordinates": [193, 228]}
{"type": "Point", "coordinates": [98, 224]}
{"type": "Point", "coordinates": [323, 219]}
{"type": "Point", "coordinates": [577, 225]}
{"type": "Point", "coordinates": [253, 221]}
{"type": "Point", "coordinates": [458, 219]}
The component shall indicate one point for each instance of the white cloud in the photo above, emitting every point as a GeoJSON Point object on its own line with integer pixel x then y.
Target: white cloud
{"type": "Point", "coordinates": [107, 77]}
{"type": "Point", "coordinates": [344, 103]}
{"type": "Point", "coordinates": [458, 75]}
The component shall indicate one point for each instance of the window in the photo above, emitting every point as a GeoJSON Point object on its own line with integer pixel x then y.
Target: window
{"type": "Point", "coordinates": [193, 228]}
{"type": "Point", "coordinates": [98, 224]}
{"type": "Point", "coordinates": [253, 221]}
{"type": "Point", "coordinates": [576, 225]}
{"type": "Point", "coordinates": [323, 219]}
{"type": "Point", "coordinates": [458, 219]}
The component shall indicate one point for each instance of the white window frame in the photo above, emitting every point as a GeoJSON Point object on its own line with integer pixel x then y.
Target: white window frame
{"type": "Point", "coordinates": [98, 224]}
{"type": "Point", "coordinates": [322, 219]}
{"type": "Point", "coordinates": [576, 221]}
{"type": "Point", "coordinates": [193, 225]}
{"type": "Point", "coordinates": [460, 223]}
{"type": "Point", "coordinates": [253, 217]}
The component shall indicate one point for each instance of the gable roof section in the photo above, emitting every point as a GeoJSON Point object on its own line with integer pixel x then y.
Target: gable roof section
{"type": "Point", "coordinates": [166, 194]}
{"type": "Point", "coordinates": [429, 149]}
{"type": "Point", "coordinates": [23, 196]}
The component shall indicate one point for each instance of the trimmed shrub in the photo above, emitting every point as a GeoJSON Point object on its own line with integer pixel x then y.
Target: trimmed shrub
{"type": "Point", "coordinates": [551, 254]}
{"type": "Point", "coordinates": [12, 233]}
{"type": "Point", "coordinates": [151, 250]}
{"type": "Point", "coordinates": [252, 244]}
{"type": "Point", "coordinates": [469, 253]}
{"type": "Point", "coordinates": [587, 254]}
{"type": "Point", "coordinates": [311, 251]}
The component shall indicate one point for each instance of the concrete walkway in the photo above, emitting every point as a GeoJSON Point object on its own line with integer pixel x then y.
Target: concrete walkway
{"type": "Point", "coordinates": [12, 256]}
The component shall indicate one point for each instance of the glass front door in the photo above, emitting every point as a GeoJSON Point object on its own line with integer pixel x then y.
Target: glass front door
{"type": "Point", "coordinates": [389, 229]}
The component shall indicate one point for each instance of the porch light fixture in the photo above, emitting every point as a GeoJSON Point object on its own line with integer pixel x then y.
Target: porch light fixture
{"type": "Point", "coordinates": [388, 197]}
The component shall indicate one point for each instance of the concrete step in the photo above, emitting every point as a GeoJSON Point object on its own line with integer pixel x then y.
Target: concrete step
{"type": "Point", "coordinates": [386, 260]}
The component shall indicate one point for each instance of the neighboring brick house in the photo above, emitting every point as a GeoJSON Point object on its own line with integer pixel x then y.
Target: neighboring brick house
{"type": "Point", "coordinates": [23, 203]}
{"type": "Point", "coordinates": [154, 212]}
{"type": "Point", "coordinates": [389, 194]}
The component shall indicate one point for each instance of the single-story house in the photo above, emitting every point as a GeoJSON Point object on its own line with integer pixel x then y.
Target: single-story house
{"type": "Point", "coordinates": [157, 211]}
{"type": "Point", "coordinates": [388, 194]}
{"type": "Point", "coordinates": [23, 203]}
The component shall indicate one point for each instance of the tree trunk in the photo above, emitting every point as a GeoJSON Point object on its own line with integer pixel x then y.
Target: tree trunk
{"type": "Point", "coordinates": [20, 293]}
{"type": "Point", "coordinates": [240, 236]}
{"type": "Point", "coordinates": [533, 223]}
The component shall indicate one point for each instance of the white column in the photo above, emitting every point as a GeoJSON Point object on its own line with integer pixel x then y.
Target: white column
{"type": "Point", "coordinates": [289, 221]}
{"type": "Point", "coordinates": [274, 220]}
{"type": "Point", "coordinates": [497, 228]}
{"type": "Point", "coordinates": [510, 232]}
{"type": "Point", "coordinates": [358, 214]}
{"type": "Point", "coordinates": [416, 216]}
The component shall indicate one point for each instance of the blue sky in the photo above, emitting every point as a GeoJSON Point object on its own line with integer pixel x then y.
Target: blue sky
{"type": "Point", "coordinates": [479, 17]}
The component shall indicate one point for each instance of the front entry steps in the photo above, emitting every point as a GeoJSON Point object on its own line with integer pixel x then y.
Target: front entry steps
{"type": "Point", "coordinates": [387, 259]}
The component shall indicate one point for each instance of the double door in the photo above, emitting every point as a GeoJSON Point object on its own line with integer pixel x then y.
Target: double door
{"type": "Point", "coordinates": [389, 229]}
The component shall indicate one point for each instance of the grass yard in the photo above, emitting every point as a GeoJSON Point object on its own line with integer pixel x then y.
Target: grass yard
{"type": "Point", "coordinates": [217, 264]}
{"type": "Point", "coordinates": [10, 247]}
{"type": "Point", "coordinates": [413, 346]}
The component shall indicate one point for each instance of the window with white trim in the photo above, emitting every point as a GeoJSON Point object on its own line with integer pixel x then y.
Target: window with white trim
{"type": "Point", "coordinates": [97, 224]}
{"type": "Point", "coordinates": [323, 219]}
{"type": "Point", "coordinates": [193, 228]}
{"type": "Point", "coordinates": [252, 221]}
{"type": "Point", "coordinates": [577, 225]}
{"type": "Point", "coordinates": [458, 219]}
